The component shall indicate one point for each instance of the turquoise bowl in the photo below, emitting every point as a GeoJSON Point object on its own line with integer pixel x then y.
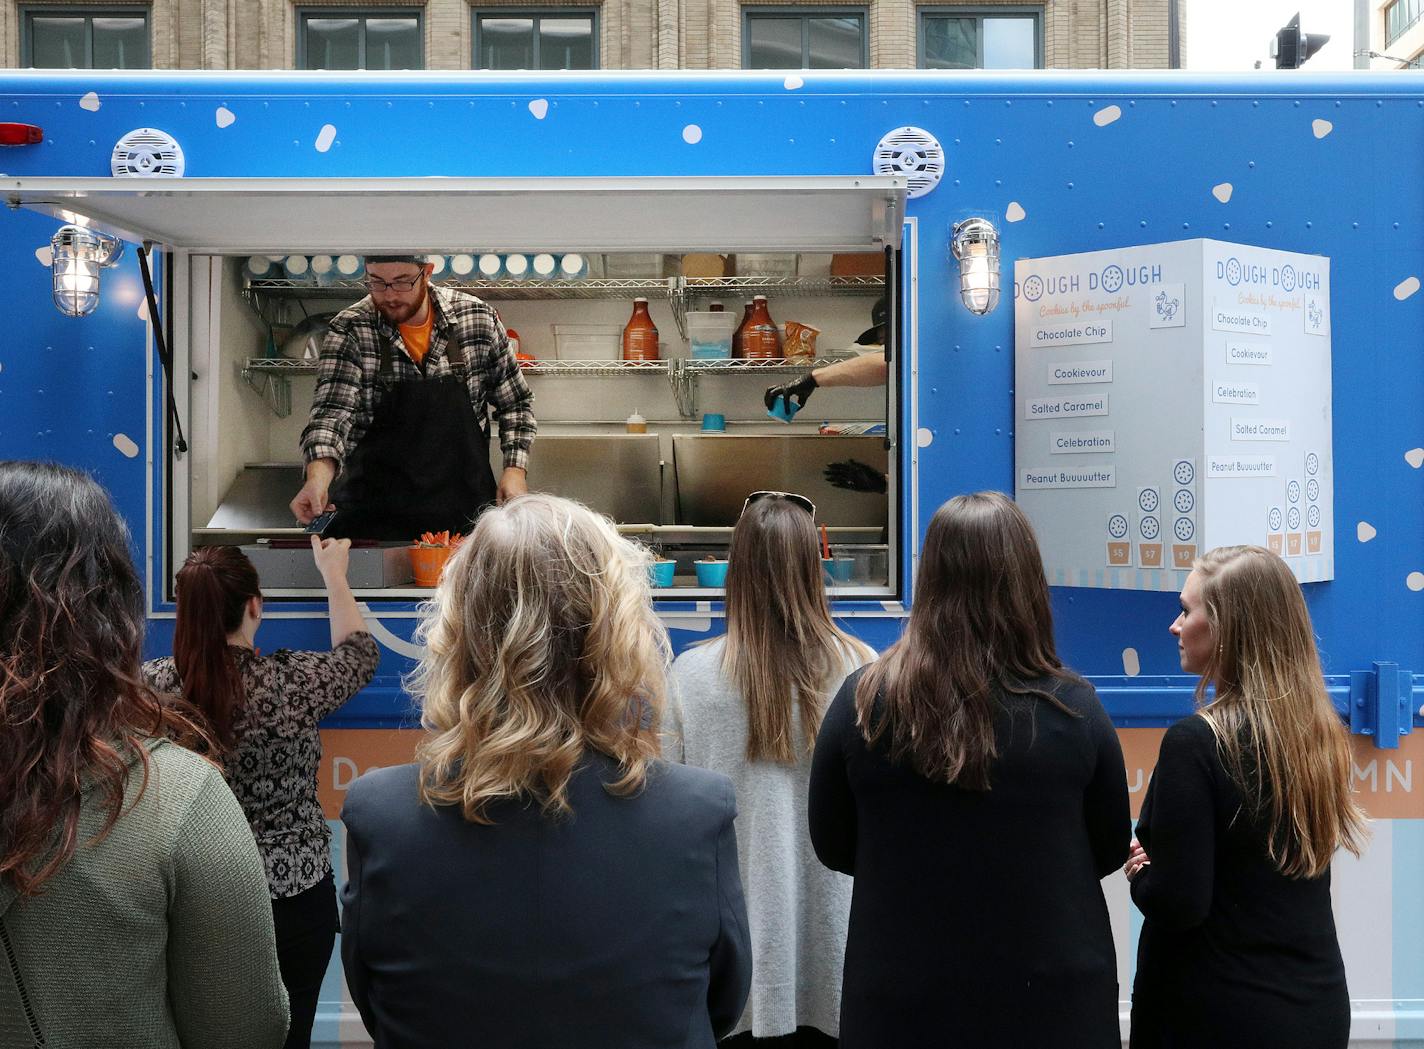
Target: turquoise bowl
{"type": "Point", "coordinates": [711, 573]}
{"type": "Point", "coordinates": [660, 573]}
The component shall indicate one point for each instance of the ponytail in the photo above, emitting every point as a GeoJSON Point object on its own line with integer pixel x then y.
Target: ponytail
{"type": "Point", "coordinates": [213, 588]}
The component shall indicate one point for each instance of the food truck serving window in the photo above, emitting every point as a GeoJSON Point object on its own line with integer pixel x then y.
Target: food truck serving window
{"type": "Point", "coordinates": [669, 446]}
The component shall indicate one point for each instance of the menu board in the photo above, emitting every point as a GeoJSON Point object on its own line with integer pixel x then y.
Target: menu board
{"type": "Point", "coordinates": [1172, 398]}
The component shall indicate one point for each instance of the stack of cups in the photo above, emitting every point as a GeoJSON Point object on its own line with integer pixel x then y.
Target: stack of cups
{"type": "Point", "coordinates": [298, 269]}
{"type": "Point", "coordinates": [259, 267]}
{"type": "Point", "coordinates": [350, 267]}
{"type": "Point", "coordinates": [461, 266]}
{"type": "Point", "coordinates": [437, 261]}
{"type": "Point", "coordinates": [323, 268]}
{"type": "Point", "coordinates": [490, 266]}
{"type": "Point", "coordinates": [572, 266]}
{"type": "Point", "coordinates": [544, 266]}
{"type": "Point", "coordinates": [516, 267]}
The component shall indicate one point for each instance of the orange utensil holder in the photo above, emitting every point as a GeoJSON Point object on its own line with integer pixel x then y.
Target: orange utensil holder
{"type": "Point", "coordinates": [427, 562]}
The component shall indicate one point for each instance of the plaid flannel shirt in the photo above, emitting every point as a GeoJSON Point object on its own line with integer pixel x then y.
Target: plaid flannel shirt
{"type": "Point", "coordinates": [348, 390]}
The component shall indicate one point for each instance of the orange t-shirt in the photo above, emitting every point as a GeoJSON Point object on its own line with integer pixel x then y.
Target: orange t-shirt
{"type": "Point", "coordinates": [417, 337]}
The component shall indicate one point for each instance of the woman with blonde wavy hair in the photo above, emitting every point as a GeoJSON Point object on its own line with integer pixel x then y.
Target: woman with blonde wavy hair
{"type": "Point", "coordinates": [540, 878]}
{"type": "Point", "coordinates": [1249, 802]}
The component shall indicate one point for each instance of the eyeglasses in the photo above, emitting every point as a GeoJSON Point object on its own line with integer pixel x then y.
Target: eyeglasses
{"type": "Point", "coordinates": [790, 497]}
{"type": "Point", "coordinates": [401, 284]}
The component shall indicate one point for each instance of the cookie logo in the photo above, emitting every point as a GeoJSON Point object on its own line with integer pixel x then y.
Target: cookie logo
{"type": "Point", "coordinates": [1112, 278]}
{"type": "Point", "coordinates": [1033, 288]}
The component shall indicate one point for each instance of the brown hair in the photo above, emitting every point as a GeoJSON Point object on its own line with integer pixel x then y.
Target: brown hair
{"type": "Point", "coordinates": [541, 643]}
{"type": "Point", "coordinates": [1279, 735]}
{"type": "Point", "coordinates": [781, 647]}
{"type": "Point", "coordinates": [213, 588]}
{"type": "Point", "coordinates": [73, 703]}
{"type": "Point", "coordinates": [980, 626]}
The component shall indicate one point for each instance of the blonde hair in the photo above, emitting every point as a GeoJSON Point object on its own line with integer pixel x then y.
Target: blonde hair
{"type": "Point", "coordinates": [541, 643]}
{"type": "Point", "coordinates": [782, 647]}
{"type": "Point", "coordinates": [1279, 735]}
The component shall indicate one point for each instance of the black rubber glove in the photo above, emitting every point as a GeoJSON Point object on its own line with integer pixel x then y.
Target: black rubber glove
{"type": "Point", "coordinates": [855, 476]}
{"type": "Point", "coordinates": [800, 389]}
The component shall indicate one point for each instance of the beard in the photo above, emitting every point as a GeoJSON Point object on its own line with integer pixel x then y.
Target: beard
{"type": "Point", "coordinates": [399, 312]}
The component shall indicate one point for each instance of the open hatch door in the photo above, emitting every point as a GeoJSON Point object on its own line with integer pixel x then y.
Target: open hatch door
{"type": "Point", "coordinates": [824, 213]}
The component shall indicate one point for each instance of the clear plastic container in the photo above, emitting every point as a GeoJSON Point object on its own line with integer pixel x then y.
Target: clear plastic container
{"type": "Point", "coordinates": [709, 335]}
{"type": "Point", "coordinates": [588, 342]}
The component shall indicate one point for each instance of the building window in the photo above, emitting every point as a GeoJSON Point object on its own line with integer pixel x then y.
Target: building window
{"type": "Point", "coordinates": [524, 39]}
{"type": "Point", "coordinates": [364, 38]}
{"type": "Point", "coordinates": [1399, 18]}
{"type": "Point", "coordinates": [986, 38]}
{"type": "Point", "coordinates": [85, 38]}
{"type": "Point", "coordinates": [799, 38]}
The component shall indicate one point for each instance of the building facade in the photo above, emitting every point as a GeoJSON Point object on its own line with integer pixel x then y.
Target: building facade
{"type": "Point", "coordinates": [610, 34]}
{"type": "Point", "coordinates": [1396, 33]}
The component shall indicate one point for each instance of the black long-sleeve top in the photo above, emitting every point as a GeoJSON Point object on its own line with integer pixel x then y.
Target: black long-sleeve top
{"type": "Point", "coordinates": [977, 918]}
{"type": "Point", "coordinates": [1232, 951]}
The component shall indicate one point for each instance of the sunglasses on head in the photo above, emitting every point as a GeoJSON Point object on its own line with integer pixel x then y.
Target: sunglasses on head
{"type": "Point", "coordinates": [790, 497]}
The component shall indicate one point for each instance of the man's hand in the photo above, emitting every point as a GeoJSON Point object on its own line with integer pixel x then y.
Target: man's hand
{"type": "Point", "coordinates": [312, 499]}
{"type": "Point", "coordinates": [855, 476]}
{"type": "Point", "coordinates": [514, 481]}
{"type": "Point", "coordinates": [800, 389]}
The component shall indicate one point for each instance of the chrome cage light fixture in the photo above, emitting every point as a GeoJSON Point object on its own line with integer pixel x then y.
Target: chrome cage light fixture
{"type": "Point", "coordinates": [975, 244]}
{"type": "Point", "coordinates": [79, 254]}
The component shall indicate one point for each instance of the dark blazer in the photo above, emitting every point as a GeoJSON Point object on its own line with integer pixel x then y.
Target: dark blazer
{"type": "Point", "coordinates": [1232, 951]}
{"type": "Point", "coordinates": [623, 926]}
{"type": "Point", "coordinates": [977, 920]}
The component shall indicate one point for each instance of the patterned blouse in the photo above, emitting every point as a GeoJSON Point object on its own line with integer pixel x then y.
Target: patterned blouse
{"type": "Point", "coordinates": [274, 768]}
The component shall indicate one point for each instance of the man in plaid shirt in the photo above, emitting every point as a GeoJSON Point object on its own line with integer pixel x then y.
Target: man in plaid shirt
{"type": "Point", "coordinates": [398, 438]}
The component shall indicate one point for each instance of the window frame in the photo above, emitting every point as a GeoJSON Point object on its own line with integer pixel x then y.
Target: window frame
{"type": "Point", "coordinates": [306, 11]}
{"type": "Point", "coordinates": [536, 12]}
{"type": "Point", "coordinates": [88, 12]}
{"type": "Point", "coordinates": [751, 12]}
{"type": "Point", "coordinates": [1034, 12]}
{"type": "Point", "coordinates": [1391, 35]}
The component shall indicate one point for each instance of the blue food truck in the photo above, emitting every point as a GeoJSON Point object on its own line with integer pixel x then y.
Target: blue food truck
{"type": "Point", "coordinates": [1166, 311]}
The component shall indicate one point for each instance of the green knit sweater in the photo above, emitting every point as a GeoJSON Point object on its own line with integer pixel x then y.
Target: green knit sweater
{"type": "Point", "coordinates": [158, 937]}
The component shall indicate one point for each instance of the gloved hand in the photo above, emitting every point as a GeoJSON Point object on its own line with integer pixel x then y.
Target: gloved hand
{"type": "Point", "coordinates": [855, 476]}
{"type": "Point", "coordinates": [800, 389]}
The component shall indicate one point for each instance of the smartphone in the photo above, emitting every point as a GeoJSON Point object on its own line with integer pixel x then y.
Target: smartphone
{"type": "Point", "coordinates": [321, 522]}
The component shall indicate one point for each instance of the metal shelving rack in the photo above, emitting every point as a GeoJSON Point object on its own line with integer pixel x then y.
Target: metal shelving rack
{"type": "Point", "coordinates": [271, 376]}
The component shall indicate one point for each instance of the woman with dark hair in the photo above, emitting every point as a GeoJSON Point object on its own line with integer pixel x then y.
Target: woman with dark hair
{"type": "Point", "coordinates": [975, 788]}
{"type": "Point", "coordinates": [539, 878]}
{"type": "Point", "coordinates": [133, 912]}
{"type": "Point", "coordinates": [748, 704]}
{"type": "Point", "coordinates": [1250, 801]}
{"type": "Point", "coordinates": [263, 713]}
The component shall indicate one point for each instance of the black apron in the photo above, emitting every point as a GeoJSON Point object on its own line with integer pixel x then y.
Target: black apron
{"type": "Point", "coordinates": [423, 466]}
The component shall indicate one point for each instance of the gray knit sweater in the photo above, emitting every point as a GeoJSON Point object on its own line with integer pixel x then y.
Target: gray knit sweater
{"type": "Point", "coordinates": [797, 909]}
{"type": "Point", "coordinates": [158, 937]}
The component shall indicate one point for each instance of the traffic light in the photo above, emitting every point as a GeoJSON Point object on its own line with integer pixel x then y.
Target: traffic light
{"type": "Point", "coordinates": [1293, 48]}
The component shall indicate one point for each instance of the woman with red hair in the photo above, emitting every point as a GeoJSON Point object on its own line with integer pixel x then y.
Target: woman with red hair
{"type": "Point", "coordinates": [263, 713]}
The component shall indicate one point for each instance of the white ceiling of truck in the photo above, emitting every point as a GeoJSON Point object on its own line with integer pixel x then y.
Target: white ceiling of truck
{"type": "Point", "coordinates": [270, 215]}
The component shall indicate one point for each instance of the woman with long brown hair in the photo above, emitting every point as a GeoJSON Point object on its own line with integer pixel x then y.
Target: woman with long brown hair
{"type": "Point", "coordinates": [749, 704]}
{"type": "Point", "coordinates": [1248, 803]}
{"type": "Point", "coordinates": [975, 788]}
{"type": "Point", "coordinates": [539, 878]}
{"type": "Point", "coordinates": [133, 912]}
{"type": "Point", "coordinates": [263, 713]}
